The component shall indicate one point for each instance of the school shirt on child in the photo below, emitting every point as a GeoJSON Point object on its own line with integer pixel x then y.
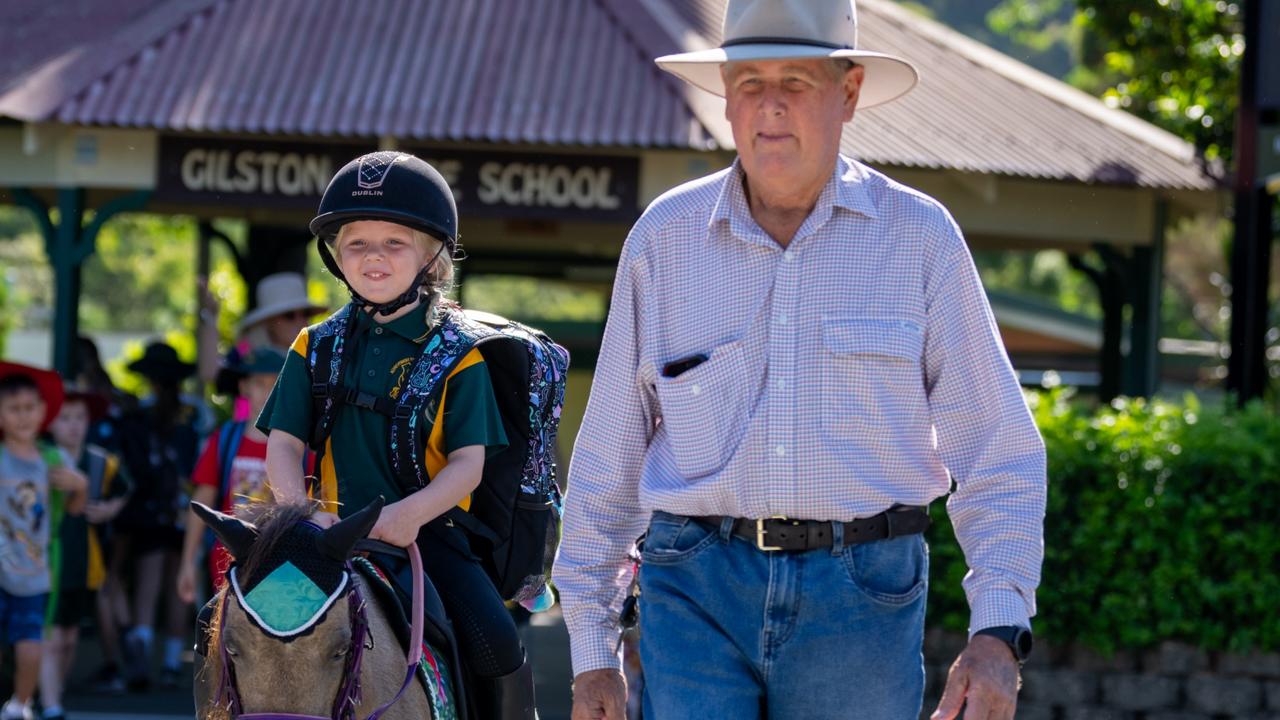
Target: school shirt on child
{"type": "Point", "coordinates": [82, 562]}
{"type": "Point", "coordinates": [26, 515]}
{"type": "Point", "coordinates": [246, 483]}
{"type": "Point", "coordinates": [356, 466]}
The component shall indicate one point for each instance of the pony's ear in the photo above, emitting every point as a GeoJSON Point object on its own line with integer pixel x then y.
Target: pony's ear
{"type": "Point", "coordinates": [337, 541]}
{"type": "Point", "coordinates": [237, 535]}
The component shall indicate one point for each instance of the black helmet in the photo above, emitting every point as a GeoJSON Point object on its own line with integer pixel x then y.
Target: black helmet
{"type": "Point", "coordinates": [392, 186]}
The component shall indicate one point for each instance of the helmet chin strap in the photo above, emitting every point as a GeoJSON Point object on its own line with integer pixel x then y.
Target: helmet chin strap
{"type": "Point", "coordinates": [412, 294]}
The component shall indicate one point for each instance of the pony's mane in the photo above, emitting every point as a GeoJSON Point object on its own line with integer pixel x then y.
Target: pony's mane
{"type": "Point", "coordinates": [273, 521]}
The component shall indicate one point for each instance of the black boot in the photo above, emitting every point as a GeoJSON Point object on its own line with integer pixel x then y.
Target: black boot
{"type": "Point", "coordinates": [509, 697]}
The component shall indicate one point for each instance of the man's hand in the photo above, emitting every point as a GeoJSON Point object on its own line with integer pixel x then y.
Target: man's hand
{"type": "Point", "coordinates": [983, 681]}
{"type": "Point", "coordinates": [600, 695]}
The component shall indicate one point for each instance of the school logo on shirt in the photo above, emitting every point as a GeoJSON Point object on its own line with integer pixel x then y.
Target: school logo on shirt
{"type": "Point", "coordinates": [375, 166]}
{"type": "Point", "coordinates": [400, 370]}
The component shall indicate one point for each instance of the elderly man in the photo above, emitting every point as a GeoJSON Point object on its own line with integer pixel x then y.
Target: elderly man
{"type": "Point", "coordinates": [799, 358]}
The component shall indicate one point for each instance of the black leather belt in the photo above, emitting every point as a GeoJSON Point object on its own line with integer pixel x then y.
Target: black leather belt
{"type": "Point", "coordinates": [780, 533]}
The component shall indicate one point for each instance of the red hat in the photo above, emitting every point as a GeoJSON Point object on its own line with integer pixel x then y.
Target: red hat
{"type": "Point", "coordinates": [47, 382]}
{"type": "Point", "coordinates": [96, 401]}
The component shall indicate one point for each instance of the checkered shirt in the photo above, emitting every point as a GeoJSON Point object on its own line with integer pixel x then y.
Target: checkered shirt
{"type": "Point", "coordinates": [857, 368]}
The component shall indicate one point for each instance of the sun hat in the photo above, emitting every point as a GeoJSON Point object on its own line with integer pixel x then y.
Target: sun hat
{"type": "Point", "coordinates": [794, 29]}
{"type": "Point", "coordinates": [277, 294]}
{"type": "Point", "coordinates": [160, 362]}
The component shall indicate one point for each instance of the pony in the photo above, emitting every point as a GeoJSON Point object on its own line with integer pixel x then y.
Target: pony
{"type": "Point", "coordinates": [296, 630]}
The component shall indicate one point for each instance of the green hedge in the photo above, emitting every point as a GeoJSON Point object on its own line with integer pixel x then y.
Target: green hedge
{"type": "Point", "coordinates": [1163, 522]}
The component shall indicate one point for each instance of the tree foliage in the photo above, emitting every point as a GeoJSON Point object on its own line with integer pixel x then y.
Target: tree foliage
{"type": "Point", "coordinates": [1174, 63]}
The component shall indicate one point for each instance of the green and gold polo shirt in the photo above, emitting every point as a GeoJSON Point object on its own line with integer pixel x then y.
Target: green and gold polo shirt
{"type": "Point", "coordinates": [356, 466]}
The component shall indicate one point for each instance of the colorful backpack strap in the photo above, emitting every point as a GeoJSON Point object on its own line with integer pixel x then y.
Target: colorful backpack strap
{"type": "Point", "coordinates": [326, 343]}
{"type": "Point", "coordinates": [449, 342]}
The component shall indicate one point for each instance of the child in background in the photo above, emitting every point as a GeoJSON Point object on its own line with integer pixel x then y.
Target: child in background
{"type": "Point", "coordinates": [159, 442]}
{"type": "Point", "coordinates": [37, 484]}
{"type": "Point", "coordinates": [230, 482]}
{"type": "Point", "coordinates": [82, 568]}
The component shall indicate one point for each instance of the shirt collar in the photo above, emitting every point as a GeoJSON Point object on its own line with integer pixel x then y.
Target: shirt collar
{"type": "Point", "coordinates": [846, 188]}
{"type": "Point", "coordinates": [411, 326]}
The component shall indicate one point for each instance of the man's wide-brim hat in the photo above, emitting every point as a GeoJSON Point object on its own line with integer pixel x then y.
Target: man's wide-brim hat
{"type": "Point", "coordinates": [48, 384]}
{"type": "Point", "coordinates": [160, 362]}
{"type": "Point", "coordinates": [277, 294]}
{"type": "Point", "coordinates": [794, 29]}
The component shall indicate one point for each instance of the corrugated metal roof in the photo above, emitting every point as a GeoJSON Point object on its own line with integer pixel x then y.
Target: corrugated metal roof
{"type": "Point", "coordinates": [418, 70]}
{"type": "Point", "coordinates": [562, 72]}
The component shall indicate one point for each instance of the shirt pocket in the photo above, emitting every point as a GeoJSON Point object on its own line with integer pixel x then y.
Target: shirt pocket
{"type": "Point", "coordinates": [872, 377]}
{"type": "Point", "coordinates": [705, 411]}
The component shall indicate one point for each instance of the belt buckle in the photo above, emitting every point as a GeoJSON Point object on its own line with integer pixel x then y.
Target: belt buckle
{"type": "Point", "coordinates": [760, 533]}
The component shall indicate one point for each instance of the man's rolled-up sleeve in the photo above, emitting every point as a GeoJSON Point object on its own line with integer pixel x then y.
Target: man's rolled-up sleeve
{"type": "Point", "coordinates": [987, 440]}
{"type": "Point", "coordinates": [602, 515]}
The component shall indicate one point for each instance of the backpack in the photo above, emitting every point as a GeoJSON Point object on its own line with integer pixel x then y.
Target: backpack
{"type": "Point", "coordinates": [514, 515]}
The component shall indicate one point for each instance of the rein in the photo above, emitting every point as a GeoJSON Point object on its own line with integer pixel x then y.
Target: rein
{"type": "Point", "coordinates": [349, 693]}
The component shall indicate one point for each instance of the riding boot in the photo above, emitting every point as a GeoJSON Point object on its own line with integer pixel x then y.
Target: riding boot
{"type": "Point", "coordinates": [509, 697]}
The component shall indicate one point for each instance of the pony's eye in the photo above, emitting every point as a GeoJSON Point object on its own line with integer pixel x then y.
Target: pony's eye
{"type": "Point", "coordinates": [341, 652]}
{"type": "Point", "coordinates": [231, 650]}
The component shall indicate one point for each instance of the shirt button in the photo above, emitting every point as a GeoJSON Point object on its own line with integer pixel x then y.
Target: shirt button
{"type": "Point", "coordinates": [780, 451]}
{"type": "Point", "coordinates": [696, 389]}
{"type": "Point", "coordinates": [377, 351]}
{"type": "Point", "coordinates": [371, 373]}
{"type": "Point", "coordinates": [780, 384]}
{"type": "Point", "coordinates": [782, 319]}
{"type": "Point", "coordinates": [789, 256]}
{"type": "Point", "coordinates": [377, 331]}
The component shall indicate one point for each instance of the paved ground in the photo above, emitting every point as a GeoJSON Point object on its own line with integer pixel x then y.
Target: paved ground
{"type": "Point", "coordinates": [545, 638]}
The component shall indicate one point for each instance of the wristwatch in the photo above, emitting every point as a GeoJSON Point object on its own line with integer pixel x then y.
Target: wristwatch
{"type": "Point", "coordinates": [1017, 638]}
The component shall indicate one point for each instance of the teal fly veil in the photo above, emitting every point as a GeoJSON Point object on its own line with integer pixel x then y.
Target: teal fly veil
{"type": "Point", "coordinates": [286, 602]}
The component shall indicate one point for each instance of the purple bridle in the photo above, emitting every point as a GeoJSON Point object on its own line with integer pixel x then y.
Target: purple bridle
{"type": "Point", "coordinates": [349, 696]}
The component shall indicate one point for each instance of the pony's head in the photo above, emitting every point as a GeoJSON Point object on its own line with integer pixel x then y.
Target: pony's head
{"type": "Point", "coordinates": [283, 634]}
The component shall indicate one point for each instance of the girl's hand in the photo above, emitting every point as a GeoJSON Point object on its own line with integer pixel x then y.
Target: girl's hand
{"type": "Point", "coordinates": [396, 526]}
{"type": "Point", "coordinates": [323, 519]}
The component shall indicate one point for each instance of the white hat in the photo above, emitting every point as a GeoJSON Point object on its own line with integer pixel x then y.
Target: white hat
{"type": "Point", "coordinates": [279, 293]}
{"type": "Point", "coordinates": [787, 29]}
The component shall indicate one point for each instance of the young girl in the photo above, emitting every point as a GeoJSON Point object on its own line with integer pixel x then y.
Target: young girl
{"type": "Point", "coordinates": [388, 228]}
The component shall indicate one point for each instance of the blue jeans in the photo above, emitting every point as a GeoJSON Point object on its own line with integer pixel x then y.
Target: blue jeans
{"type": "Point", "coordinates": [729, 631]}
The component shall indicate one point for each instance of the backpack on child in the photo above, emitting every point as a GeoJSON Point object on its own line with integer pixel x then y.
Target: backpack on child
{"type": "Point", "coordinates": [514, 515]}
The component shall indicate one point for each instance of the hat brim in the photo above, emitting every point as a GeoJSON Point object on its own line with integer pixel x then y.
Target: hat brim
{"type": "Point", "coordinates": [887, 77]}
{"type": "Point", "coordinates": [48, 384]}
{"type": "Point", "coordinates": [163, 371]}
{"type": "Point", "coordinates": [257, 315]}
